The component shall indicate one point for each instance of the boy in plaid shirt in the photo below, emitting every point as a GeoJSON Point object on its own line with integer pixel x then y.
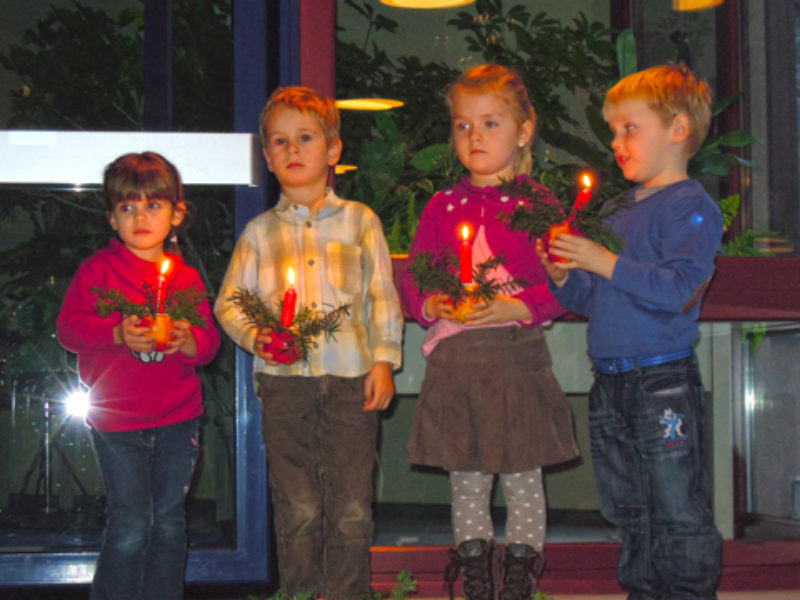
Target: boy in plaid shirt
{"type": "Point", "coordinates": [319, 417]}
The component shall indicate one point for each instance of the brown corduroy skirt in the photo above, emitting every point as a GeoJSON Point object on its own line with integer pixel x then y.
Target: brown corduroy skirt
{"type": "Point", "coordinates": [490, 403]}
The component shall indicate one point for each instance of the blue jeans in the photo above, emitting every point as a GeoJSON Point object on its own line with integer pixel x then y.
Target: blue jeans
{"type": "Point", "coordinates": [647, 438]}
{"type": "Point", "coordinates": [146, 475]}
{"type": "Point", "coordinates": [321, 447]}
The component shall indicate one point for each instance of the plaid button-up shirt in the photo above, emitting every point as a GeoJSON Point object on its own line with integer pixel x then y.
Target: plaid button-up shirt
{"type": "Point", "coordinates": [339, 256]}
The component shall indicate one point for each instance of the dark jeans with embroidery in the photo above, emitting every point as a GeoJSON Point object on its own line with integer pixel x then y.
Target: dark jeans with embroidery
{"type": "Point", "coordinates": [321, 447]}
{"type": "Point", "coordinates": [146, 474]}
{"type": "Point", "coordinates": [647, 437]}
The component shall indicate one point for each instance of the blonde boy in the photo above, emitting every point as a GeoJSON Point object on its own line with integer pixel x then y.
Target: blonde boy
{"type": "Point", "coordinates": [319, 418]}
{"type": "Point", "coordinates": [646, 404]}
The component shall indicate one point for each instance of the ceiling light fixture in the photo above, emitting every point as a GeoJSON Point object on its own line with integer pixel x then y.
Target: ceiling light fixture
{"type": "Point", "coordinates": [695, 4]}
{"type": "Point", "coordinates": [426, 3]}
{"type": "Point", "coordinates": [368, 104]}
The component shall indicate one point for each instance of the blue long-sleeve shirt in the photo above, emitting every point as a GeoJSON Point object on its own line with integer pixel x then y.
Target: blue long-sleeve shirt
{"type": "Point", "coordinates": [671, 238]}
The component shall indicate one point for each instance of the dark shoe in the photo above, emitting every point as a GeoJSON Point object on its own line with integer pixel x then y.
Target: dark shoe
{"type": "Point", "coordinates": [522, 567]}
{"type": "Point", "coordinates": [473, 558]}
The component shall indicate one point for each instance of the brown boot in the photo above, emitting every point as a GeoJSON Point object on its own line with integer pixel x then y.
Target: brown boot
{"type": "Point", "coordinates": [522, 567]}
{"type": "Point", "coordinates": [473, 558]}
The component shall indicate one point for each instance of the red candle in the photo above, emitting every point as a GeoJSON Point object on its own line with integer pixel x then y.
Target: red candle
{"type": "Point", "coordinates": [585, 194]}
{"type": "Point", "coordinates": [465, 256]}
{"type": "Point", "coordinates": [159, 299]}
{"type": "Point", "coordinates": [289, 301]}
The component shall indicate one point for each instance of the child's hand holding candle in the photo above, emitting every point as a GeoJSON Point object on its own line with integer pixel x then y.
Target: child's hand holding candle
{"type": "Point", "coordinates": [584, 195]}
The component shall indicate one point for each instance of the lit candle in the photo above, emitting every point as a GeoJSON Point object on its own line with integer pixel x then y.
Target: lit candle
{"type": "Point", "coordinates": [159, 299]}
{"type": "Point", "coordinates": [585, 194]}
{"type": "Point", "coordinates": [465, 256]}
{"type": "Point", "coordinates": [289, 301]}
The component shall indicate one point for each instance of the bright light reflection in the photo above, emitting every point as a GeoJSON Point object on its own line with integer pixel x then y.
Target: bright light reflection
{"type": "Point", "coordinates": [77, 403]}
{"type": "Point", "coordinates": [368, 104]}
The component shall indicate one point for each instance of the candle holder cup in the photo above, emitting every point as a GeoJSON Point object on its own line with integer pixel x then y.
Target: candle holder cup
{"type": "Point", "coordinates": [283, 348]}
{"type": "Point", "coordinates": [466, 306]}
{"type": "Point", "coordinates": [160, 328]}
{"type": "Point", "coordinates": [552, 233]}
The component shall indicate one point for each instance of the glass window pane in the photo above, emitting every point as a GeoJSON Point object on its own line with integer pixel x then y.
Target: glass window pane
{"type": "Point", "coordinates": [51, 495]}
{"type": "Point", "coordinates": [772, 412]}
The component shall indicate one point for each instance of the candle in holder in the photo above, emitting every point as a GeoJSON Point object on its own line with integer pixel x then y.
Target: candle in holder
{"type": "Point", "coordinates": [161, 330]}
{"type": "Point", "coordinates": [159, 299]}
{"type": "Point", "coordinates": [465, 256]}
{"type": "Point", "coordinates": [552, 233]}
{"type": "Point", "coordinates": [289, 302]}
{"type": "Point", "coordinates": [585, 194]}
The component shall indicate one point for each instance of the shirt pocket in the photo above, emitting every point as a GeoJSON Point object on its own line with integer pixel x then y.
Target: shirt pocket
{"type": "Point", "coordinates": [343, 267]}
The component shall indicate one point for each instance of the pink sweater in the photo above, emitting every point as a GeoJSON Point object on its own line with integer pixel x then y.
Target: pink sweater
{"type": "Point", "coordinates": [129, 391]}
{"type": "Point", "coordinates": [465, 203]}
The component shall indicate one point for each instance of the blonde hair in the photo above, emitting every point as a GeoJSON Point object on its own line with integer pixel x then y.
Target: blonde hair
{"type": "Point", "coordinates": [669, 90]}
{"type": "Point", "coordinates": [507, 85]}
{"type": "Point", "coordinates": [307, 101]}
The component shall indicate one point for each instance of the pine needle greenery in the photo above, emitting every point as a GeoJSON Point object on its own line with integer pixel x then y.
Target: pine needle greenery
{"type": "Point", "coordinates": [540, 212]}
{"type": "Point", "coordinates": [438, 273]}
{"type": "Point", "coordinates": [406, 585]}
{"type": "Point", "coordinates": [308, 323]}
{"type": "Point", "coordinates": [179, 305]}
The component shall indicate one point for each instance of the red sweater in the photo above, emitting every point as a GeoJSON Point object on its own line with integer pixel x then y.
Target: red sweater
{"type": "Point", "coordinates": [128, 391]}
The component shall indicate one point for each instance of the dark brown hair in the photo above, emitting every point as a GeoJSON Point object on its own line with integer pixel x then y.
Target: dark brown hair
{"type": "Point", "coordinates": [148, 173]}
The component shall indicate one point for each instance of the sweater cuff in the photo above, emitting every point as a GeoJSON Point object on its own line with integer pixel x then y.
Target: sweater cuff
{"type": "Point", "coordinates": [390, 352]}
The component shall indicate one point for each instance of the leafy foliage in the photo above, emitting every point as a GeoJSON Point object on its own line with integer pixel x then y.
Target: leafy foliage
{"type": "Point", "coordinates": [539, 213]}
{"type": "Point", "coordinates": [82, 68]}
{"type": "Point", "coordinates": [178, 305]}
{"type": "Point", "coordinates": [552, 59]}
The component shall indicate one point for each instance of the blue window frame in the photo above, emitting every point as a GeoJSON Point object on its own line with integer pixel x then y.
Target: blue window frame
{"type": "Point", "coordinates": [265, 54]}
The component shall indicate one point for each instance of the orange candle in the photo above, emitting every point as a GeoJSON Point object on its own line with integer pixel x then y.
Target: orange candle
{"type": "Point", "coordinates": [289, 302]}
{"type": "Point", "coordinates": [465, 256]}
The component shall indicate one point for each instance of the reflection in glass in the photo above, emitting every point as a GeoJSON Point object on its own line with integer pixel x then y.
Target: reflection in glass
{"type": "Point", "coordinates": [772, 416]}
{"type": "Point", "coordinates": [51, 494]}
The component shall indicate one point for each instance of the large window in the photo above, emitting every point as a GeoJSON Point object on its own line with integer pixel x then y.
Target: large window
{"type": "Point", "coordinates": [82, 68]}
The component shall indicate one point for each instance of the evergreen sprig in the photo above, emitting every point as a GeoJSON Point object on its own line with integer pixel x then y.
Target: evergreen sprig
{"type": "Point", "coordinates": [179, 305]}
{"type": "Point", "coordinates": [540, 212]}
{"type": "Point", "coordinates": [437, 273]}
{"type": "Point", "coordinates": [308, 324]}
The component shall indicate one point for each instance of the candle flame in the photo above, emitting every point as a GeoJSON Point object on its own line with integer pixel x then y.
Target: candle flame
{"type": "Point", "coordinates": [586, 180]}
{"type": "Point", "coordinates": [164, 266]}
{"type": "Point", "coordinates": [465, 232]}
{"type": "Point", "coordinates": [290, 276]}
